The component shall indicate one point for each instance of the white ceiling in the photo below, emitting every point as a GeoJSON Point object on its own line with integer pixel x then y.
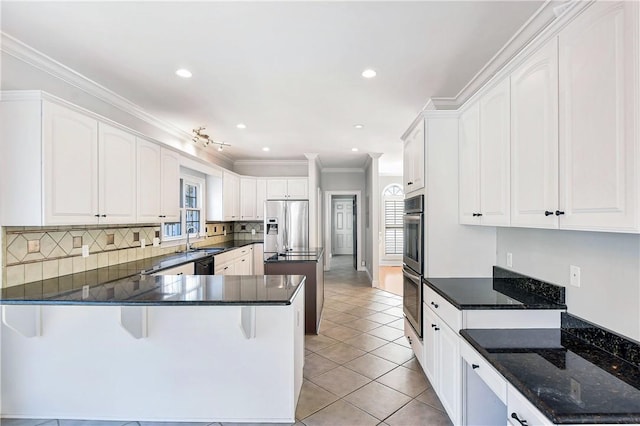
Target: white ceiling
{"type": "Point", "coordinates": [289, 70]}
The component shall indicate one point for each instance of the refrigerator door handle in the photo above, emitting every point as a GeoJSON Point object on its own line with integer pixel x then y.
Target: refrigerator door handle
{"type": "Point", "coordinates": [285, 231]}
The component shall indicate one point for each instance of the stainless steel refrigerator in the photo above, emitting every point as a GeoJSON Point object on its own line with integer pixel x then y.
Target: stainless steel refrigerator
{"type": "Point", "coordinates": [286, 226]}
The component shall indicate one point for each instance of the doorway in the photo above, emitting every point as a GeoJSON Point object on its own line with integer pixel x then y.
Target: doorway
{"type": "Point", "coordinates": [342, 228]}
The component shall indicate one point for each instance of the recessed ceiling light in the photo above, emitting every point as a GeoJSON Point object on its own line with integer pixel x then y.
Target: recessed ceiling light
{"type": "Point", "coordinates": [368, 73]}
{"type": "Point", "coordinates": [354, 149]}
{"type": "Point", "coordinates": [184, 73]}
{"type": "Point", "coordinates": [358, 126]}
{"type": "Point", "coordinates": [265, 149]}
{"type": "Point", "coordinates": [241, 126]}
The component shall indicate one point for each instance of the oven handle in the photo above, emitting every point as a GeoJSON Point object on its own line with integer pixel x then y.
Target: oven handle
{"type": "Point", "coordinates": [413, 277]}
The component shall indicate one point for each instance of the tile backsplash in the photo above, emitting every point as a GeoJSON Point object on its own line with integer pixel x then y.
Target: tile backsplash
{"type": "Point", "coordinates": [37, 253]}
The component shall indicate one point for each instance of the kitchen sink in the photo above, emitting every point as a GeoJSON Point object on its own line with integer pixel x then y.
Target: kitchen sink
{"type": "Point", "coordinates": [210, 250]}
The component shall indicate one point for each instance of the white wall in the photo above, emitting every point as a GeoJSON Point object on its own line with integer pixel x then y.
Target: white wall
{"type": "Point", "coordinates": [366, 211]}
{"type": "Point", "coordinates": [609, 294]}
{"type": "Point", "coordinates": [342, 181]}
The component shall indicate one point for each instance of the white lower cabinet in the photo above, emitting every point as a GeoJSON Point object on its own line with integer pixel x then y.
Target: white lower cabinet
{"type": "Point", "coordinates": [234, 262]}
{"type": "Point", "coordinates": [521, 412]}
{"type": "Point", "coordinates": [442, 361]}
{"type": "Point", "coordinates": [416, 343]}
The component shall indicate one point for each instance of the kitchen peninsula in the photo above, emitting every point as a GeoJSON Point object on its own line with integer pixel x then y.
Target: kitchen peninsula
{"type": "Point", "coordinates": [155, 348]}
{"type": "Point", "coordinates": [311, 264]}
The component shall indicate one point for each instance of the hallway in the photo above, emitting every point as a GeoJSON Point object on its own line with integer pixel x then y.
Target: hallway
{"type": "Point", "coordinates": [360, 370]}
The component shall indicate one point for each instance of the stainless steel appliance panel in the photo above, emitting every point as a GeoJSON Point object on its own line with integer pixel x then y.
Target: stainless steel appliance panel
{"type": "Point", "coordinates": [413, 241]}
{"type": "Point", "coordinates": [412, 298]}
{"type": "Point", "coordinates": [286, 226]}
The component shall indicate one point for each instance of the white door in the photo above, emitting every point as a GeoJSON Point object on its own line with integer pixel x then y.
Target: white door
{"type": "Point", "coordinates": [494, 155]}
{"type": "Point", "coordinates": [231, 196]}
{"type": "Point", "coordinates": [429, 324]}
{"type": "Point", "coordinates": [70, 166]}
{"type": "Point", "coordinates": [261, 197]}
{"type": "Point", "coordinates": [598, 81]}
{"type": "Point", "coordinates": [534, 140]}
{"type": "Point", "coordinates": [343, 226]}
{"type": "Point", "coordinates": [117, 175]}
{"type": "Point", "coordinates": [407, 166]}
{"type": "Point", "coordinates": [276, 189]}
{"type": "Point", "coordinates": [449, 363]}
{"type": "Point", "coordinates": [469, 166]}
{"type": "Point", "coordinates": [298, 189]}
{"type": "Point", "coordinates": [149, 181]}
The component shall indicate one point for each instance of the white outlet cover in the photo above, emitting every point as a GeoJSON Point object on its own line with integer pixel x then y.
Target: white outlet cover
{"type": "Point", "coordinates": [85, 250]}
{"type": "Point", "coordinates": [574, 275]}
{"type": "Point", "coordinates": [156, 242]}
{"type": "Point", "coordinates": [143, 243]}
{"type": "Point", "coordinates": [509, 260]}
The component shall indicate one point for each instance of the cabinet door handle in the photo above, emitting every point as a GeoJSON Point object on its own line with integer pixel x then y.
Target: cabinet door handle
{"type": "Point", "coordinates": [437, 328]}
{"type": "Point", "coordinates": [547, 213]}
{"type": "Point", "coordinates": [180, 273]}
{"type": "Point", "coordinates": [558, 212]}
{"type": "Point", "coordinates": [474, 366]}
{"type": "Point", "coordinates": [409, 339]}
{"type": "Point", "coordinates": [104, 215]}
{"type": "Point", "coordinates": [433, 325]}
{"type": "Point", "coordinates": [409, 183]}
{"type": "Point", "coordinates": [96, 215]}
{"type": "Point", "coordinates": [435, 305]}
{"type": "Point", "coordinates": [522, 422]}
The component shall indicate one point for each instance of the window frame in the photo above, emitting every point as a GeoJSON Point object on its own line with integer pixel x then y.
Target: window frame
{"type": "Point", "coordinates": [199, 183]}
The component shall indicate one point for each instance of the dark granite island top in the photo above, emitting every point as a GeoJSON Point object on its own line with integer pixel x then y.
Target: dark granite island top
{"type": "Point", "coordinates": [546, 364]}
{"type": "Point", "coordinates": [505, 290]}
{"type": "Point", "coordinates": [162, 290]}
{"type": "Point", "coordinates": [312, 254]}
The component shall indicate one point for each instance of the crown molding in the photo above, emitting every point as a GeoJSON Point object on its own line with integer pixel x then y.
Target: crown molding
{"type": "Point", "coordinates": [27, 54]}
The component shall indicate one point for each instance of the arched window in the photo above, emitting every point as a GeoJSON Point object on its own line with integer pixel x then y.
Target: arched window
{"type": "Point", "coordinates": [393, 207]}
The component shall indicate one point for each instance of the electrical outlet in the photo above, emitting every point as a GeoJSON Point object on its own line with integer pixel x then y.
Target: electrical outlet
{"type": "Point", "coordinates": [224, 232]}
{"type": "Point", "coordinates": [575, 392]}
{"type": "Point", "coordinates": [85, 250]}
{"type": "Point", "coordinates": [143, 243]}
{"type": "Point", "coordinates": [362, 263]}
{"type": "Point", "coordinates": [253, 232]}
{"type": "Point", "coordinates": [156, 242]}
{"type": "Point", "coordinates": [574, 274]}
{"type": "Point", "coordinates": [509, 260]}
{"type": "Point", "coordinates": [85, 291]}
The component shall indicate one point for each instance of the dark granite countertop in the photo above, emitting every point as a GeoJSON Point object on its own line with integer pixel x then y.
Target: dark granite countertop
{"type": "Point", "coordinates": [312, 254]}
{"type": "Point", "coordinates": [505, 290]}
{"type": "Point", "coordinates": [65, 283]}
{"type": "Point", "coordinates": [546, 364]}
{"type": "Point", "coordinates": [161, 290]}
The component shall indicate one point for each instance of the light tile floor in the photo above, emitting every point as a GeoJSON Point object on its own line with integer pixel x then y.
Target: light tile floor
{"type": "Point", "coordinates": [358, 371]}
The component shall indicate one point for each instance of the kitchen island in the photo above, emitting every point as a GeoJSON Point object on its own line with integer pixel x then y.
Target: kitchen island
{"type": "Point", "coordinates": [155, 348]}
{"type": "Point", "coordinates": [309, 263]}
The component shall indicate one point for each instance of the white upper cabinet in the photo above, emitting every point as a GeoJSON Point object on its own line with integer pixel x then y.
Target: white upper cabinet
{"type": "Point", "coordinates": [534, 140]}
{"type": "Point", "coordinates": [149, 182]}
{"type": "Point", "coordinates": [261, 196]}
{"type": "Point", "coordinates": [598, 82]}
{"type": "Point", "coordinates": [117, 175]}
{"type": "Point", "coordinates": [294, 188]}
{"type": "Point", "coordinates": [230, 196]}
{"type": "Point", "coordinates": [413, 164]}
{"type": "Point", "coordinates": [70, 142]}
{"type": "Point", "coordinates": [170, 193]}
{"type": "Point", "coordinates": [469, 165]}
{"type": "Point", "coordinates": [494, 155]}
{"type": "Point", "coordinates": [247, 198]}
{"type": "Point", "coordinates": [484, 159]}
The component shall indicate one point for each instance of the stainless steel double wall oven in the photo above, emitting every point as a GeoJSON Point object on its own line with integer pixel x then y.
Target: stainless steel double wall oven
{"type": "Point", "coordinates": [413, 261]}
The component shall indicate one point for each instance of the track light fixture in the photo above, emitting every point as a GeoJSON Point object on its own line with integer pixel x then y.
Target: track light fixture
{"type": "Point", "coordinates": [198, 136]}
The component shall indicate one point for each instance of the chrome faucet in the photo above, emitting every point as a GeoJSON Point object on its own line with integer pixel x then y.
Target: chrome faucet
{"type": "Point", "coordinates": [188, 246]}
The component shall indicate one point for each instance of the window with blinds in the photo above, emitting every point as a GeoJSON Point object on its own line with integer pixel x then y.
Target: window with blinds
{"type": "Point", "coordinates": [393, 210]}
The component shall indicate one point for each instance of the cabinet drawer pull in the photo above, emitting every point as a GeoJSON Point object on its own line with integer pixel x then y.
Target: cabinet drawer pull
{"type": "Point", "coordinates": [226, 267]}
{"type": "Point", "coordinates": [558, 212]}
{"type": "Point", "coordinates": [437, 328]}
{"type": "Point", "coordinates": [435, 305]}
{"type": "Point", "coordinates": [180, 273]}
{"type": "Point", "coordinates": [522, 422]}
{"type": "Point", "coordinates": [547, 213]}
{"type": "Point", "coordinates": [96, 215]}
{"type": "Point", "coordinates": [104, 215]}
{"type": "Point", "coordinates": [433, 325]}
{"type": "Point", "coordinates": [409, 183]}
{"type": "Point", "coordinates": [474, 366]}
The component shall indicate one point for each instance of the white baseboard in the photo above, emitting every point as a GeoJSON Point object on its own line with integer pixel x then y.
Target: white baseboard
{"type": "Point", "coordinates": [363, 269]}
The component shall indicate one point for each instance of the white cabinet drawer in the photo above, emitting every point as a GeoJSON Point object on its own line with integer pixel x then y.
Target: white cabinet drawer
{"type": "Point", "coordinates": [482, 368]}
{"type": "Point", "coordinates": [416, 343]}
{"type": "Point", "coordinates": [445, 310]}
{"type": "Point", "coordinates": [232, 254]}
{"type": "Point", "coordinates": [518, 406]}
{"type": "Point", "coordinates": [186, 269]}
